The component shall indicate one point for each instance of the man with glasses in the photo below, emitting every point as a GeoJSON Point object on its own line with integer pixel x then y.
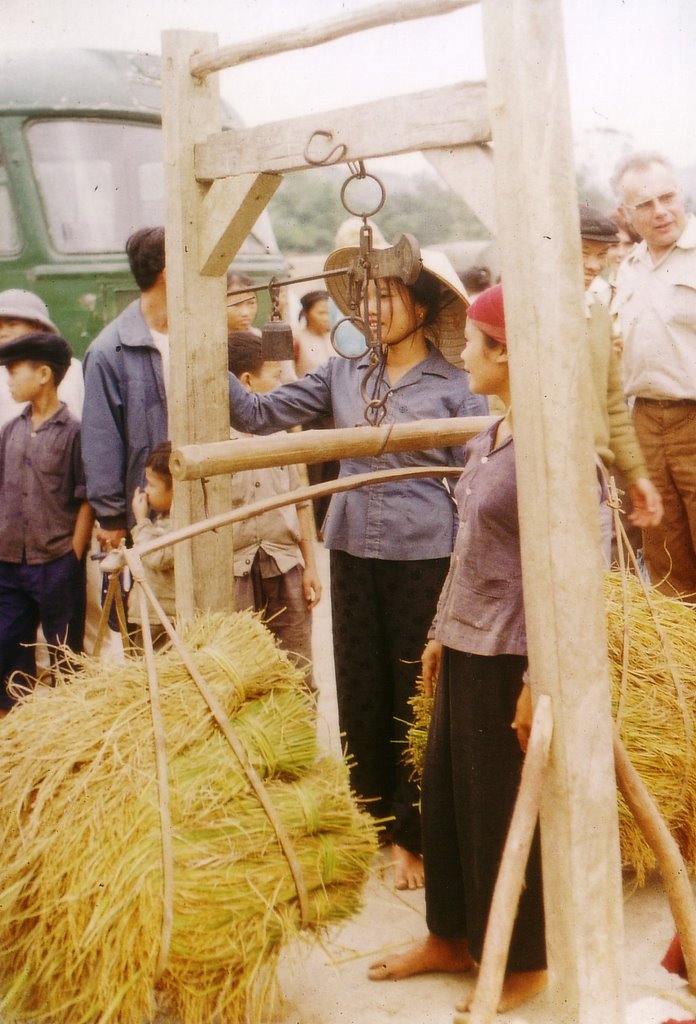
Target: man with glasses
{"type": "Point", "coordinates": [656, 302]}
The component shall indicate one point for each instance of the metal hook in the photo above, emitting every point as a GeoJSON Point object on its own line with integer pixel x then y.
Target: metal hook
{"type": "Point", "coordinates": [335, 156]}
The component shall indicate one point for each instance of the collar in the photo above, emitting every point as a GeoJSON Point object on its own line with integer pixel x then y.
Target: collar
{"type": "Point", "coordinates": [61, 415]}
{"type": "Point", "coordinates": [434, 365]}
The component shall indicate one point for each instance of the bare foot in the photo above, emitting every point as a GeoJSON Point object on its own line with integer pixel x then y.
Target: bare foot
{"type": "Point", "coordinates": [518, 987]}
{"type": "Point", "coordinates": [432, 954]}
{"type": "Point", "coordinates": [408, 868]}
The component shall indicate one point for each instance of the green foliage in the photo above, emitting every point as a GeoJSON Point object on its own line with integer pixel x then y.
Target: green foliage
{"type": "Point", "coordinates": [307, 210]}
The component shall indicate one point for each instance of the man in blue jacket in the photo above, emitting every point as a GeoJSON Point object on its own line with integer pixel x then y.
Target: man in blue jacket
{"type": "Point", "coordinates": [126, 370]}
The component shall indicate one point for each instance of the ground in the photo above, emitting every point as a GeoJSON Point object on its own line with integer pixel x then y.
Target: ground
{"type": "Point", "coordinates": [327, 984]}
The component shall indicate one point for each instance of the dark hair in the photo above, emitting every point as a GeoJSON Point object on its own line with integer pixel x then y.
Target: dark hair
{"type": "Point", "coordinates": [236, 280]}
{"type": "Point", "coordinates": [145, 251]}
{"type": "Point", "coordinates": [427, 292]}
{"type": "Point", "coordinates": [158, 461]}
{"type": "Point", "coordinates": [476, 278]}
{"type": "Point", "coordinates": [244, 352]}
{"type": "Point", "coordinates": [310, 299]}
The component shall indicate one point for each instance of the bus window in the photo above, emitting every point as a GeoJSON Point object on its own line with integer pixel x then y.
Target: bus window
{"type": "Point", "coordinates": [9, 233]}
{"type": "Point", "coordinates": [99, 180]}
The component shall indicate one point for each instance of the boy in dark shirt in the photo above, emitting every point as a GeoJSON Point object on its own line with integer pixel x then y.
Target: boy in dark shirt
{"type": "Point", "coordinates": [45, 520]}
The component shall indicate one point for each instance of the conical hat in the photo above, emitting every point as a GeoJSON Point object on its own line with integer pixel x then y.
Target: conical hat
{"type": "Point", "coordinates": [447, 329]}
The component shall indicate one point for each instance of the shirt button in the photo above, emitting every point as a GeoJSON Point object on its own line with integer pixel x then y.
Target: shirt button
{"type": "Point", "coordinates": [468, 490]}
{"type": "Point", "coordinates": [484, 459]}
{"type": "Point", "coordinates": [257, 483]}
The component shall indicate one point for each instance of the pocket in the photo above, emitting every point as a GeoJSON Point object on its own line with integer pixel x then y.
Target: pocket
{"type": "Point", "coordinates": [683, 304]}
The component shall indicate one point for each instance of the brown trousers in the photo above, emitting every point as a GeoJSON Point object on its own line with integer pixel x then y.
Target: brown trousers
{"type": "Point", "coordinates": [667, 435]}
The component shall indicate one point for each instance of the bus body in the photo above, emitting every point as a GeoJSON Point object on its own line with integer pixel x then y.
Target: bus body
{"type": "Point", "coordinates": [81, 168]}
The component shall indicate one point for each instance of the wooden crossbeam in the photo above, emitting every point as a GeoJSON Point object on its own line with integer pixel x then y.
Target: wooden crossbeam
{"type": "Point", "coordinates": [203, 64]}
{"type": "Point", "coordinates": [436, 118]}
{"type": "Point", "coordinates": [468, 170]}
{"type": "Point", "coordinates": [229, 211]}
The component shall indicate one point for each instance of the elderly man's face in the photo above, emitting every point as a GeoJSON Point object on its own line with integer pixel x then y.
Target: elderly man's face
{"type": "Point", "coordinates": [653, 205]}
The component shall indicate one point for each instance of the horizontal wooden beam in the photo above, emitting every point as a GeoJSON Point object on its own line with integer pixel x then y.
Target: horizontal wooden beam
{"type": "Point", "coordinates": [450, 116]}
{"type": "Point", "coordinates": [203, 64]}
{"type": "Point", "coordinates": [196, 461]}
{"type": "Point", "coordinates": [229, 211]}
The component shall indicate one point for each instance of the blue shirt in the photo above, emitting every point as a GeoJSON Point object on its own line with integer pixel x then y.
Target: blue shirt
{"type": "Point", "coordinates": [404, 520]}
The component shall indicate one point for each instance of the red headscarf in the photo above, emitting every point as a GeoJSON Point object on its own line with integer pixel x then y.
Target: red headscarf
{"type": "Point", "coordinates": [488, 313]}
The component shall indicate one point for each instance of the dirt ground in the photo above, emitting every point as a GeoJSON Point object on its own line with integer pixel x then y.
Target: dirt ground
{"type": "Point", "coordinates": [327, 984]}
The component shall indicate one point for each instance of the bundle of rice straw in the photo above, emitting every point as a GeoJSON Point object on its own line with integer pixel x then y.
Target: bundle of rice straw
{"type": "Point", "coordinates": [81, 867]}
{"type": "Point", "coordinates": [652, 658]}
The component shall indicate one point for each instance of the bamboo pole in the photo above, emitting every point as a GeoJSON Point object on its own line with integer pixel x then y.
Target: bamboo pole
{"type": "Point", "coordinates": [238, 515]}
{"type": "Point", "coordinates": [663, 844]}
{"type": "Point", "coordinates": [391, 13]}
{"type": "Point", "coordinates": [508, 886]}
{"type": "Point", "coordinates": [199, 461]}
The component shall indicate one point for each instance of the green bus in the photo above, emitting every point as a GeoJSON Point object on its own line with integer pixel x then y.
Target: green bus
{"type": "Point", "coordinates": [80, 169]}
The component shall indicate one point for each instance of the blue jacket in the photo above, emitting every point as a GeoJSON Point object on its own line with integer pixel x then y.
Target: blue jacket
{"type": "Point", "coordinates": [124, 414]}
{"type": "Point", "coordinates": [405, 520]}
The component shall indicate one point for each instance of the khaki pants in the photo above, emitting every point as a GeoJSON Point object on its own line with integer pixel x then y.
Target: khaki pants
{"type": "Point", "coordinates": [667, 435]}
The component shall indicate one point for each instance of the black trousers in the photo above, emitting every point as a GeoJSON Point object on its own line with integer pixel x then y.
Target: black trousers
{"type": "Point", "coordinates": [382, 611]}
{"type": "Point", "coordinates": [470, 780]}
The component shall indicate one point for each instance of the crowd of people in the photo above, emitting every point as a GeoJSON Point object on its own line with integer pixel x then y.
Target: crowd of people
{"type": "Point", "coordinates": [423, 578]}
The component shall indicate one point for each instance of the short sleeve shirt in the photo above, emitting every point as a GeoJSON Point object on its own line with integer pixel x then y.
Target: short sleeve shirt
{"type": "Point", "coordinates": [42, 486]}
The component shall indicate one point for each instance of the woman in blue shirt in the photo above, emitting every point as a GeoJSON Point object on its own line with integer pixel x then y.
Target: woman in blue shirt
{"type": "Point", "coordinates": [390, 544]}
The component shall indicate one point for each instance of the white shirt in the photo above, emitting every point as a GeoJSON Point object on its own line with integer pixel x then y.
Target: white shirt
{"type": "Point", "coordinates": [71, 390]}
{"type": "Point", "coordinates": [656, 303]}
{"type": "Point", "coordinates": [162, 343]}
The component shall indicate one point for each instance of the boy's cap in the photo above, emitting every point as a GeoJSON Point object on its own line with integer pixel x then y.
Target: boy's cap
{"type": "Point", "coordinates": [39, 346]}
{"type": "Point", "coordinates": [595, 227]}
{"type": "Point", "coordinates": [19, 304]}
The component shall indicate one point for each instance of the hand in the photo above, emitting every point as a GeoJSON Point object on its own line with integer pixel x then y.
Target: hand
{"type": "Point", "coordinates": [140, 506]}
{"type": "Point", "coordinates": [647, 504]}
{"type": "Point", "coordinates": [522, 723]}
{"type": "Point", "coordinates": [109, 539]}
{"type": "Point", "coordinates": [431, 659]}
{"type": "Point", "coordinates": [311, 587]}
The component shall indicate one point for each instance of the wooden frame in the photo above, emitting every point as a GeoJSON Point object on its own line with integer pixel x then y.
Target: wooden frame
{"type": "Point", "coordinates": [536, 210]}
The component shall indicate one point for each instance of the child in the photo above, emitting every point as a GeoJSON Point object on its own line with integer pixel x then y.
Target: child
{"type": "Point", "coordinates": [274, 565]}
{"type": "Point", "coordinates": [155, 497]}
{"type": "Point", "coordinates": [45, 520]}
{"type": "Point", "coordinates": [23, 312]}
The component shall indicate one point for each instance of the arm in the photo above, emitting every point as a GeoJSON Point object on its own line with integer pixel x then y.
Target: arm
{"type": "Point", "coordinates": [311, 583]}
{"type": "Point", "coordinates": [103, 441]}
{"type": "Point", "coordinates": [82, 531]}
{"type": "Point", "coordinates": [147, 530]}
{"type": "Point", "coordinates": [299, 401]}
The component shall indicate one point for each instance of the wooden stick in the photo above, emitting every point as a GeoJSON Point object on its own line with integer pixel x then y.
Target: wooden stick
{"type": "Point", "coordinates": [196, 461]}
{"type": "Point", "coordinates": [664, 846]}
{"type": "Point", "coordinates": [508, 886]}
{"type": "Point", "coordinates": [203, 64]}
{"type": "Point", "coordinates": [346, 483]}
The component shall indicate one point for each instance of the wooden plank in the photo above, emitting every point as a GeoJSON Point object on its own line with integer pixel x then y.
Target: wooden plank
{"type": "Point", "coordinates": [229, 211]}
{"type": "Point", "coordinates": [557, 491]}
{"type": "Point", "coordinates": [203, 64]}
{"type": "Point", "coordinates": [192, 462]}
{"type": "Point", "coordinates": [468, 170]}
{"type": "Point", "coordinates": [198, 400]}
{"type": "Point", "coordinates": [443, 117]}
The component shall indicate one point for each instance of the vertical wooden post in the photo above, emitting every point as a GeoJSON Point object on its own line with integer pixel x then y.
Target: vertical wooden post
{"type": "Point", "coordinates": [541, 265]}
{"type": "Point", "coordinates": [198, 401]}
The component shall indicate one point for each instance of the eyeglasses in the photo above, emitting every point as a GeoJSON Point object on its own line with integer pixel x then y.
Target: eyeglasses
{"type": "Point", "coordinates": [648, 205]}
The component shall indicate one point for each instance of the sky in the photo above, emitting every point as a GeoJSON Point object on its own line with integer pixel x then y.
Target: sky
{"type": "Point", "coordinates": [631, 63]}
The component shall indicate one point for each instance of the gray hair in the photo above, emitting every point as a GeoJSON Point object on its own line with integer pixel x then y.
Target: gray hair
{"type": "Point", "coordinates": [639, 161]}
